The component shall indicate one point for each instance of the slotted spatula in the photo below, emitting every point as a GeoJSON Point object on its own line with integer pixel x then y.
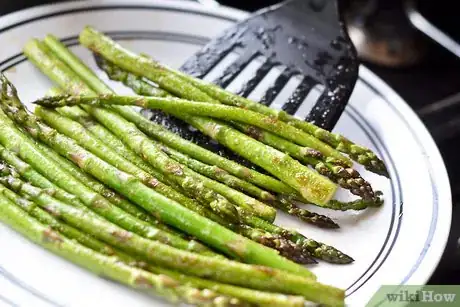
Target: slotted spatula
{"type": "Point", "coordinates": [305, 38]}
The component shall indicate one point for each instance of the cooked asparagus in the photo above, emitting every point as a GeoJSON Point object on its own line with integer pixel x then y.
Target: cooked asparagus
{"type": "Point", "coordinates": [59, 72]}
{"type": "Point", "coordinates": [249, 295]}
{"type": "Point", "coordinates": [358, 153]}
{"type": "Point", "coordinates": [346, 177]}
{"type": "Point", "coordinates": [165, 209]}
{"type": "Point", "coordinates": [77, 132]}
{"type": "Point", "coordinates": [226, 271]}
{"type": "Point", "coordinates": [310, 185]}
{"type": "Point", "coordinates": [111, 267]}
{"type": "Point", "coordinates": [147, 126]}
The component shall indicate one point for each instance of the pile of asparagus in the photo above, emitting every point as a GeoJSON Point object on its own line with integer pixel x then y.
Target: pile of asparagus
{"type": "Point", "coordinates": [91, 179]}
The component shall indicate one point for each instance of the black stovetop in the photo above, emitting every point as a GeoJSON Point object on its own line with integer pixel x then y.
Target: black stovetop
{"type": "Point", "coordinates": [434, 79]}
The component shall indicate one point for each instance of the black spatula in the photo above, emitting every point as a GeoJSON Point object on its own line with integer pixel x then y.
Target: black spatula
{"type": "Point", "coordinates": [305, 38]}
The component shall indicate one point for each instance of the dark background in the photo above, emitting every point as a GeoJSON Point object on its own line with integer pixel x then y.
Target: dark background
{"type": "Point", "coordinates": [435, 78]}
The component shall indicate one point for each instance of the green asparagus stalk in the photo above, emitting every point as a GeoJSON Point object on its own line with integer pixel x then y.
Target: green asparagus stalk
{"type": "Point", "coordinates": [150, 128]}
{"type": "Point", "coordinates": [108, 266]}
{"type": "Point", "coordinates": [105, 136]}
{"type": "Point", "coordinates": [305, 215]}
{"type": "Point", "coordinates": [358, 153]}
{"type": "Point", "coordinates": [69, 128]}
{"type": "Point", "coordinates": [183, 176]}
{"type": "Point", "coordinates": [249, 295]}
{"type": "Point", "coordinates": [77, 132]}
{"type": "Point", "coordinates": [163, 134]}
{"type": "Point", "coordinates": [347, 177]}
{"type": "Point", "coordinates": [101, 189]}
{"type": "Point", "coordinates": [356, 184]}
{"type": "Point", "coordinates": [275, 240]}
{"type": "Point", "coordinates": [186, 177]}
{"type": "Point", "coordinates": [252, 296]}
{"type": "Point", "coordinates": [175, 105]}
{"type": "Point", "coordinates": [219, 174]}
{"type": "Point", "coordinates": [221, 270]}
{"type": "Point", "coordinates": [223, 176]}
{"type": "Point", "coordinates": [162, 76]}
{"type": "Point", "coordinates": [66, 78]}
{"type": "Point", "coordinates": [27, 172]}
{"type": "Point", "coordinates": [14, 141]}
{"type": "Point", "coordinates": [317, 249]}
{"type": "Point", "coordinates": [167, 210]}
{"type": "Point", "coordinates": [47, 219]}
{"type": "Point", "coordinates": [341, 258]}
{"type": "Point", "coordinates": [74, 130]}
{"type": "Point", "coordinates": [284, 246]}
{"type": "Point", "coordinates": [309, 184]}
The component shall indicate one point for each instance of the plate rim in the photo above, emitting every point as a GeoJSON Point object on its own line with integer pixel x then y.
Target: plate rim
{"type": "Point", "coordinates": [400, 105]}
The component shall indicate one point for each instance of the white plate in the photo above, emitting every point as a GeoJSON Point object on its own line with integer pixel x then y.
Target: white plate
{"type": "Point", "coordinates": [400, 243]}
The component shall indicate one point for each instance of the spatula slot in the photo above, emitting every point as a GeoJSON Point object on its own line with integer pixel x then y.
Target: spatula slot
{"type": "Point", "coordinates": [293, 103]}
{"type": "Point", "coordinates": [307, 104]}
{"type": "Point", "coordinates": [232, 71]}
{"type": "Point", "coordinates": [286, 92]}
{"type": "Point", "coordinates": [244, 75]}
{"type": "Point", "coordinates": [221, 65]}
{"type": "Point", "coordinates": [262, 87]}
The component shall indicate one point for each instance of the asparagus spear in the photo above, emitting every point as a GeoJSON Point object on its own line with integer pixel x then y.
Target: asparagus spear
{"type": "Point", "coordinates": [358, 153]}
{"type": "Point", "coordinates": [99, 188]}
{"type": "Point", "coordinates": [236, 197]}
{"type": "Point", "coordinates": [249, 295]}
{"type": "Point", "coordinates": [221, 270]}
{"type": "Point", "coordinates": [190, 180]}
{"type": "Point", "coordinates": [13, 140]}
{"type": "Point", "coordinates": [324, 252]}
{"type": "Point", "coordinates": [325, 168]}
{"type": "Point", "coordinates": [356, 184]}
{"type": "Point", "coordinates": [316, 249]}
{"type": "Point", "coordinates": [167, 210]}
{"type": "Point", "coordinates": [161, 75]}
{"type": "Point", "coordinates": [323, 221]}
{"type": "Point", "coordinates": [219, 174]}
{"type": "Point", "coordinates": [347, 177]}
{"type": "Point", "coordinates": [27, 172]}
{"type": "Point", "coordinates": [286, 247]}
{"type": "Point", "coordinates": [147, 126]}
{"type": "Point", "coordinates": [253, 296]}
{"type": "Point", "coordinates": [310, 185]}
{"type": "Point", "coordinates": [108, 266]}
{"type": "Point", "coordinates": [228, 113]}
{"type": "Point", "coordinates": [105, 136]}
{"type": "Point", "coordinates": [62, 75]}
{"type": "Point", "coordinates": [77, 132]}
{"type": "Point", "coordinates": [180, 144]}
{"type": "Point", "coordinates": [47, 219]}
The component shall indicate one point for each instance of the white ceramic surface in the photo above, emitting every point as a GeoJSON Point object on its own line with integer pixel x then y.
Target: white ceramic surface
{"type": "Point", "coordinates": [400, 243]}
